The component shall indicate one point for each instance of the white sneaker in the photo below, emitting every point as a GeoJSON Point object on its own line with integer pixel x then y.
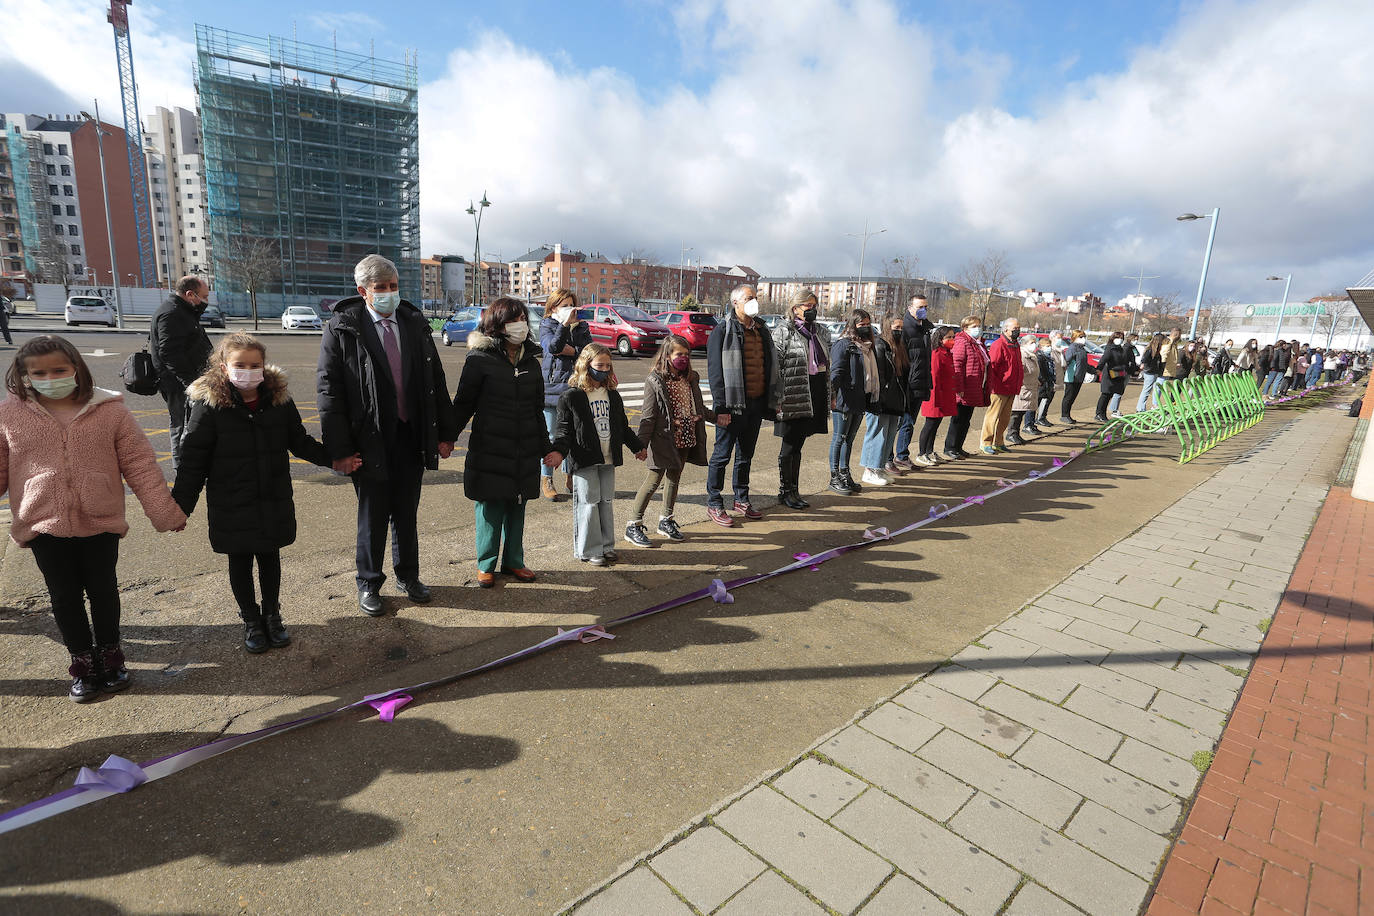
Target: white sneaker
{"type": "Point", "coordinates": [925, 461]}
{"type": "Point", "coordinates": [874, 478]}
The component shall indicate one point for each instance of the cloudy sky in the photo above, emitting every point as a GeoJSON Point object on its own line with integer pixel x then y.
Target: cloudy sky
{"type": "Point", "coordinates": [1068, 134]}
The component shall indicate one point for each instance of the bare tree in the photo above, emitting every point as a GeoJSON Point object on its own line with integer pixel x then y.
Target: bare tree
{"type": "Point", "coordinates": [636, 281]}
{"type": "Point", "coordinates": [905, 270]}
{"type": "Point", "coordinates": [1169, 312]}
{"type": "Point", "coordinates": [1220, 318]}
{"type": "Point", "coordinates": [251, 264]}
{"type": "Point", "coordinates": [1335, 311]}
{"type": "Point", "coordinates": [52, 262]}
{"type": "Point", "coordinates": [985, 277]}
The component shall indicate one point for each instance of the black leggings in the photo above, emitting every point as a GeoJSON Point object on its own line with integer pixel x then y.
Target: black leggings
{"type": "Point", "coordinates": [1070, 395]}
{"type": "Point", "coordinates": [932, 425]}
{"type": "Point", "coordinates": [269, 578]}
{"type": "Point", "coordinates": [76, 569]}
{"type": "Point", "coordinates": [958, 428]}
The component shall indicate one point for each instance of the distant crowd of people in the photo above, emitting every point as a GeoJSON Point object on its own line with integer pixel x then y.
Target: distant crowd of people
{"type": "Point", "coordinates": [534, 401]}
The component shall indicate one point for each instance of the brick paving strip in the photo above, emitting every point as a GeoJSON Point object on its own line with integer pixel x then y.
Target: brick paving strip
{"type": "Point", "coordinates": [1284, 820]}
{"type": "Point", "coordinates": [1046, 768]}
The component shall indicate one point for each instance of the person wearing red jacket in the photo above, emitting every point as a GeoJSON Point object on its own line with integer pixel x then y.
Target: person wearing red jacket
{"type": "Point", "coordinates": [1005, 374]}
{"type": "Point", "coordinates": [970, 385]}
{"type": "Point", "coordinates": [942, 402]}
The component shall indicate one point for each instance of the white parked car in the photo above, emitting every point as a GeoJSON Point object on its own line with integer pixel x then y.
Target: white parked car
{"type": "Point", "coordinates": [89, 310]}
{"type": "Point", "coordinates": [300, 316]}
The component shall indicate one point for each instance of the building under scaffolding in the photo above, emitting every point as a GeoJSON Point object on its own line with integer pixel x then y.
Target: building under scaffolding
{"type": "Point", "coordinates": [312, 151]}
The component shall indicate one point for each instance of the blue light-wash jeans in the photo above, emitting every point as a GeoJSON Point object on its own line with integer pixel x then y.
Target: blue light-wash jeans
{"type": "Point", "coordinates": [879, 435]}
{"type": "Point", "coordinates": [905, 429]}
{"type": "Point", "coordinates": [1271, 383]}
{"type": "Point", "coordinates": [593, 511]}
{"type": "Point", "coordinates": [1147, 387]}
{"type": "Point", "coordinates": [844, 427]}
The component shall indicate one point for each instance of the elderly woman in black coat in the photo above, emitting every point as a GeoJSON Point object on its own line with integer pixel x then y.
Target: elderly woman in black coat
{"type": "Point", "coordinates": [501, 391]}
{"type": "Point", "coordinates": [242, 426]}
{"type": "Point", "coordinates": [1112, 370]}
{"type": "Point", "coordinates": [803, 366]}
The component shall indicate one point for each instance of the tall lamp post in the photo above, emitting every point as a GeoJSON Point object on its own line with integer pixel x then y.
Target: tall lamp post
{"type": "Point", "coordinates": [1206, 260]}
{"type": "Point", "coordinates": [681, 268]}
{"type": "Point", "coordinates": [865, 235]}
{"type": "Point", "coordinates": [475, 211]}
{"type": "Point", "coordinates": [1287, 282]}
{"type": "Point", "coordinates": [100, 135]}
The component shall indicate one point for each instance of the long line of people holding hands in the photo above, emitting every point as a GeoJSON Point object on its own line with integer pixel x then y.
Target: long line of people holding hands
{"type": "Point", "coordinates": [534, 400]}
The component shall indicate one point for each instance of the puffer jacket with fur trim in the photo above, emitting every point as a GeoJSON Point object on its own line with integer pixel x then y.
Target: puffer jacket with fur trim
{"type": "Point", "coordinates": [240, 457]}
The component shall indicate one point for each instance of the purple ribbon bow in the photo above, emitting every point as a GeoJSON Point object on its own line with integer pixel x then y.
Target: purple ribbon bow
{"type": "Point", "coordinates": [719, 593]}
{"type": "Point", "coordinates": [975, 499]}
{"type": "Point", "coordinates": [876, 534]}
{"type": "Point", "coordinates": [804, 556]}
{"type": "Point", "coordinates": [939, 510]}
{"type": "Point", "coordinates": [1075, 453]}
{"type": "Point", "coordinates": [115, 774]}
{"type": "Point", "coordinates": [1037, 473]}
{"type": "Point", "coordinates": [1004, 484]}
{"type": "Point", "coordinates": [387, 704]}
{"type": "Point", "coordinates": [587, 634]}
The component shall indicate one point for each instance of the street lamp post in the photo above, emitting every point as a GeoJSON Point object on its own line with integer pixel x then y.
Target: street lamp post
{"type": "Point", "coordinates": [100, 134]}
{"type": "Point", "coordinates": [1206, 260]}
{"type": "Point", "coordinates": [1287, 282]}
{"type": "Point", "coordinates": [863, 249]}
{"type": "Point", "coordinates": [475, 211]}
{"type": "Point", "coordinates": [681, 262]}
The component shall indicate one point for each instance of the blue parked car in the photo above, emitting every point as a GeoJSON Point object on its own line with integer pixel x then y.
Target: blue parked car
{"type": "Point", "coordinates": [460, 324]}
{"type": "Point", "coordinates": [465, 320]}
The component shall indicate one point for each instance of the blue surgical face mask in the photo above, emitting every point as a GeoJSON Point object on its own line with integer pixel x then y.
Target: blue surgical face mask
{"type": "Point", "coordinates": [385, 304]}
{"type": "Point", "coordinates": [920, 313]}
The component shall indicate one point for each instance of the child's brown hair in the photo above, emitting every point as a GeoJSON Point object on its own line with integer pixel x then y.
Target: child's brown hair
{"type": "Point", "coordinates": [42, 346]}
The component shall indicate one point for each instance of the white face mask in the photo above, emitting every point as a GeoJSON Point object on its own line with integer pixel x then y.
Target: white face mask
{"type": "Point", "coordinates": [561, 315]}
{"type": "Point", "coordinates": [973, 331]}
{"type": "Point", "coordinates": [517, 331]}
{"type": "Point", "coordinates": [751, 307]}
{"type": "Point", "coordinates": [245, 379]}
{"type": "Point", "coordinates": [1117, 341]}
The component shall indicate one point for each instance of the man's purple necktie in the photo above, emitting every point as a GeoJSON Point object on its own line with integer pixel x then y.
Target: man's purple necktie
{"type": "Point", "coordinates": [393, 356]}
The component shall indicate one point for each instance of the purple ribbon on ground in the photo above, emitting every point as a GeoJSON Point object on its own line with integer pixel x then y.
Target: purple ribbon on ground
{"type": "Point", "coordinates": [388, 704]}
{"type": "Point", "coordinates": [118, 775]}
{"type": "Point", "coordinates": [1004, 484]}
{"type": "Point", "coordinates": [1034, 474]}
{"type": "Point", "coordinates": [804, 556]}
{"type": "Point", "coordinates": [115, 774]}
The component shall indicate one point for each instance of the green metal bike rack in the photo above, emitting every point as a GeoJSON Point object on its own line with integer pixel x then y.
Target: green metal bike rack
{"type": "Point", "coordinates": [1202, 412]}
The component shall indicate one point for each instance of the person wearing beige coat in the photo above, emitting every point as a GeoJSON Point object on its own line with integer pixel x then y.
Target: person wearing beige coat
{"type": "Point", "coordinates": [1026, 398]}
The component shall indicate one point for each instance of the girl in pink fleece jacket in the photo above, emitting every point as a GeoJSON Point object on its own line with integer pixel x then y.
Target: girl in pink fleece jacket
{"type": "Point", "coordinates": [66, 449]}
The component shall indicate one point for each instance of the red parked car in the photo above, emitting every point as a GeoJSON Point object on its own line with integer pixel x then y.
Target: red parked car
{"type": "Point", "coordinates": [696, 327]}
{"type": "Point", "coordinates": [625, 328]}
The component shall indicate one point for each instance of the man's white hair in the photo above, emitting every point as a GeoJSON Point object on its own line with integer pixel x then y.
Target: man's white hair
{"type": "Point", "coordinates": [737, 294]}
{"type": "Point", "coordinates": [1006, 322]}
{"type": "Point", "coordinates": [373, 268]}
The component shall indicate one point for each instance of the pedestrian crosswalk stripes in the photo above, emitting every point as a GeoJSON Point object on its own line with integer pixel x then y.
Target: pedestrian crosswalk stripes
{"type": "Point", "coordinates": [632, 393]}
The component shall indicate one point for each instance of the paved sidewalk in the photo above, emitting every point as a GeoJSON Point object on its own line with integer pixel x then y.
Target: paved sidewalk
{"type": "Point", "coordinates": [1046, 768]}
{"type": "Point", "coordinates": [1282, 823]}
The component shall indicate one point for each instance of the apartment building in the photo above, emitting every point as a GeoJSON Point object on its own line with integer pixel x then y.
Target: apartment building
{"type": "Point", "coordinates": [11, 237]}
{"type": "Point", "coordinates": [176, 192]}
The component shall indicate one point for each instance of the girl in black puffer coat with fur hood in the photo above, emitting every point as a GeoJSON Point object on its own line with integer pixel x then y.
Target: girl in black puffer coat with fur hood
{"type": "Point", "coordinates": [242, 426]}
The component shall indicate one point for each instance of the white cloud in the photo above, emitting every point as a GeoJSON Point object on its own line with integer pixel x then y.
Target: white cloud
{"type": "Point", "coordinates": [70, 42]}
{"type": "Point", "coordinates": [820, 114]}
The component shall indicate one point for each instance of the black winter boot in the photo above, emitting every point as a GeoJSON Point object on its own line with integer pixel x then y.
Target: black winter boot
{"type": "Point", "coordinates": [837, 482]}
{"type": "Point", "coordinates": [254, 632]}
{"type": "Point", "coordinates": [277, 636]}
{"type": "Point", "coordinates": [849, 481]}
{"type": "Point", "coordinates": [787, 483]}
{"type": "Point", "coordinates": [114, 677]}
{"type": "Point", "coordinates": [85, 672]}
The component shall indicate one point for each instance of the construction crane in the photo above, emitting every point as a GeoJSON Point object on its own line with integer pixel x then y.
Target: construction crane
{"type": "Point", "coordinates": [133, 141]}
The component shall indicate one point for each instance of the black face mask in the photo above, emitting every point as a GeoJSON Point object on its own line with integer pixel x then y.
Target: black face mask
{"type": "Point", "coordinates": [808, 315]}
{"type": "Point", "coordinates": [600, 375]}
{"type": "Point", "coordinates": [1014, 334]}
{"type": "Point", "coordinates": [865, 332]}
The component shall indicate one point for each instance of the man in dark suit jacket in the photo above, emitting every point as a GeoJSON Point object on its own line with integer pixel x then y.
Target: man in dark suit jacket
{"type": "Point", "coordinates": [385, 416]}
{"type": "Point", "coordinates": [180, 348]}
